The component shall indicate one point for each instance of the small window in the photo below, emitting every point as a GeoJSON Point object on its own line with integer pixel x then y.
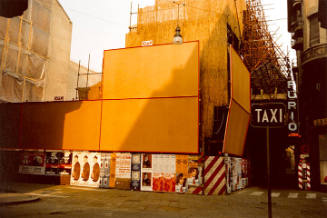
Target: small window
{"type": "Point", "coordinates": [314, 30]}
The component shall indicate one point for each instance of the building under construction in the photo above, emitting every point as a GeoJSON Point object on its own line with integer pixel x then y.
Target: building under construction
{"type": "Point", "coordinates": [189, 98]}
{"type": "Point", "coordinates": [35, 60]}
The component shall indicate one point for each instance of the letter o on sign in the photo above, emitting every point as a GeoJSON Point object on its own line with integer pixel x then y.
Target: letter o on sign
{"type": "Point", "coordinates": [292, 126]}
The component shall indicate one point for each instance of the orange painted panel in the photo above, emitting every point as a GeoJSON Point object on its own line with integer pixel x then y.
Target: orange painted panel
{"type": "Point", "coordinates": [61, 125]}
{"type": "Point", "coordinates": [150, 125]}
{"type": "Point", "coordinates": [236, 130]}
{"type": "Point", "coordinates": [153, 71]}
{"type": "Point", "coordinates": [240, 81]}
{"type": "Point", "coordinates": [9, 125]}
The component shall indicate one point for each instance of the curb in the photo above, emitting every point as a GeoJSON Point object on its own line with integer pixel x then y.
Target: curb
{"type": "Point", "coordinates": [11, 200]}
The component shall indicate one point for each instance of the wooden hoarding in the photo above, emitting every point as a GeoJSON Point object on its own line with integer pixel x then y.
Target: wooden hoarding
{"type": "Point", "coordinates": [151, 99]}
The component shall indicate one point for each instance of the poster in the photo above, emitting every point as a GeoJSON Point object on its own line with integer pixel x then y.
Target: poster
{"type": "Point", "coordinates": [164, 170]}
{"type": "Point", "coordinates": [86, 169]}
{"type": "Point", "coordinates": [188, 173]}
{"type": "Point", "coordinates": [58, 163]}
{"type": "Point", "coordinates": [236, 174]}
{"type": "Point", "coordinates": [146, 172]}
{"type": "Point", "coordinates": [32, 162]}
{"type": "Point", "coordinates": [105, 170]}
{"type": "Point", "coordinates": [136, 172]}
{"type": "Point", "coordinates": [112, 170]}
{"type": "Point", "coordinates": [244, 173]}
{"type": "Point", "coordinates": [123, 170]}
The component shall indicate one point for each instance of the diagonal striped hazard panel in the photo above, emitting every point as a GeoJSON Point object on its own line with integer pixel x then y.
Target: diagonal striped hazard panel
{"type": "Point", "coordinates": [214, 175]}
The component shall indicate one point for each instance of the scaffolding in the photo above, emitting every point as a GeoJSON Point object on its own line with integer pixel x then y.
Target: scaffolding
{"type": "Point", "coordinates": [263, 57]}
{"type": "Point", "coordinates": [24, 53]}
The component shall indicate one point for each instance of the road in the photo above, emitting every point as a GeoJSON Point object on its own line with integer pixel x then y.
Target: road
{"type": "Point", "coordinates": [72, 201]}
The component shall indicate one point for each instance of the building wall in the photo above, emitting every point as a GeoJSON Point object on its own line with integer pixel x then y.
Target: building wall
{"type": "Point", "coordinates": [312, 64]}
{"type": "Point", "coordinates": [59, 79]}
{"type": "Point", "coordinates": [35, 54]}
{"type": "Point", "coordinates": [203, 20]}
{"type": "Point", "coordinates": [310, 7]}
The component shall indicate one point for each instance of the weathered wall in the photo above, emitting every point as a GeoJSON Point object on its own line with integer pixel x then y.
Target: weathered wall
{"type": "Point", "coordinates": [203, 20]}
{"type": "Point", "coordinates": [35, 54]}
{"type": "Point", "coordinates": [60, 81]}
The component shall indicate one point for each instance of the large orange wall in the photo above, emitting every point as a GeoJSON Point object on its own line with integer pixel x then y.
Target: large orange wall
{"type": "Point", "coordinates": [150, 104]}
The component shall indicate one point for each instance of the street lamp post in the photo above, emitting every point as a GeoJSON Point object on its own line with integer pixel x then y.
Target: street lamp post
{"type": "Point", "coordinates": [178, 39]}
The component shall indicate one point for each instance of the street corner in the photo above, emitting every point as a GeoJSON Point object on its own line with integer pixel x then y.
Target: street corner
{"type": "Point", "coordinates": [16, 198]}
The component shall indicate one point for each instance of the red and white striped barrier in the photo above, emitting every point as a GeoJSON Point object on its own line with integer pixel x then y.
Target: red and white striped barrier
{"type": "Point", "coordinates": [300, 175]}
{"type": "Point", "coordinates": [214, 175]}
{"type": "Point", "coordinates": [304, 175]}
{"type": "Point", "coordinates": [308, 184]}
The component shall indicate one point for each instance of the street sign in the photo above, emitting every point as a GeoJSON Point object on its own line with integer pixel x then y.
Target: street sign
{"type": "Point", "coordinates": [268, 114]}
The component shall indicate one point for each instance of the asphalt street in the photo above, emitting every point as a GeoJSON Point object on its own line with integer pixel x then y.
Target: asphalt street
{"type": "Point", "coordinates": [73, 201]}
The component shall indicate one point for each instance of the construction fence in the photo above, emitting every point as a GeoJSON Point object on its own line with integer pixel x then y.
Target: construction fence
{"type": "Point", "coordinates": [193, 174]}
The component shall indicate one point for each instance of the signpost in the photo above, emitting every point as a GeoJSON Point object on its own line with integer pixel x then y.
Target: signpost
{"type": "Point", "coordinates": [268, 115]}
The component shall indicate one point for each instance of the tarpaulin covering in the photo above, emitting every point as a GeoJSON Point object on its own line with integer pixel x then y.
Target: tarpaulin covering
{"type": "Point", "coordinates": [24, 45]}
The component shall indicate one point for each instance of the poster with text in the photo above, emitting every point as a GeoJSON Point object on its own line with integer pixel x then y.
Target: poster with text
{"type": "Point", "coordinates": [164, 170]}
{"type": "Point", "coordinates": [105, 170]}
{"type": "Point", "coordinates": [123, 170]}
{"type": "Point", "coordinates": [32, 162]}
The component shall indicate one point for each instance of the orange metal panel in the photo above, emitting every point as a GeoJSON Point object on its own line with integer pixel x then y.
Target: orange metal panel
{"type": "Point", "coordinates": [61, 125]}
{"type": "Point", "coordinates": [240, 81]}
{"type": "Point", "coordinates": [150, 125]}
{"type": "Point", "coordinates": [236, 130]}
{"type": "Point", "coordinates": [154, 71]}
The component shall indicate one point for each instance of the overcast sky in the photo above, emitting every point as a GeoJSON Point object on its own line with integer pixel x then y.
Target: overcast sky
{"type": "Point", "coordinates": [102, 24]}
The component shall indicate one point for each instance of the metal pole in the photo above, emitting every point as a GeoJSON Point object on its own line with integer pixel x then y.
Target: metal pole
{"type": "Point", "coordinates": [268, 175]}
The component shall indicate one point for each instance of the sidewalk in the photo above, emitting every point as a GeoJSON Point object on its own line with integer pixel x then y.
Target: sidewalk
{"type": "Point", "coordinates": [16, 198]}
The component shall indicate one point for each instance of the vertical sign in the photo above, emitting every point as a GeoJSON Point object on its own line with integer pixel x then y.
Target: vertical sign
{"type": "Point", "coordinates": [292, 126]}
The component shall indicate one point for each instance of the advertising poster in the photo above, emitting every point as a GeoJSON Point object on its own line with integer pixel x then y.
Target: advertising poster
{"type": "Point", "coordinates": [86, 169]}
{"type": "Point", "coordinates": [164, 170]}
{"type": "Point", "coordinates": [244, 173]}
{"type": "Point", "coordinates": [112, 170]}
{"type": "Point", "coordinates": [136, 172]}
{"type": "Point", "coordinates": [123, 170]}
{"type": "Point", "coordinates": [58, 163]}
{"type": "Point", "coordinates": [236, 176]}
{"type": "Point", "coordinates": [146, 172]}
{"type": "Point", "coordinates": [32, 162]}
{"type": "Point", "coordinates": [188, 173]}
{"type": "Point", "coordinates": [105, 170]}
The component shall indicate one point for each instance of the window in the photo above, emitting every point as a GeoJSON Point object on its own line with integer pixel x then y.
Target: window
{"type": "Point", "coordinates": [314, 30]}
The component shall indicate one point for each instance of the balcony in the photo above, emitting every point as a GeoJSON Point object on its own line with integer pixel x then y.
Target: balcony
{"type": "Point", "coordinates": [297, 43]}
{"type": "Point", "coordinates": [314, 53]}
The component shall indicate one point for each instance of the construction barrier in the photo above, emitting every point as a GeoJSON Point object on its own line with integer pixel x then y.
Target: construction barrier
{"type": "Point", "coordinates": [304, 174]}
{"type": "Point", "coordinates": [209, 175]}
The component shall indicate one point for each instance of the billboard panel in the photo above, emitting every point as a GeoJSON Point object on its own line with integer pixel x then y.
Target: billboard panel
{"type": "Point", "coordinates": [61, 125]}
{"type": "Point", "coordinates": [153, 71]}
{"type": "Point", "coordinates": [236, 130]}
{"type": "Point", "coordinates": [150, 125]}
{"type": "Point", "coordinates": [240, 77]}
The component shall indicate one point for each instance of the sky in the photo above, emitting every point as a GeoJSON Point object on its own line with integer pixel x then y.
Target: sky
{"type": "Point", "coordinates": [99, 25]}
